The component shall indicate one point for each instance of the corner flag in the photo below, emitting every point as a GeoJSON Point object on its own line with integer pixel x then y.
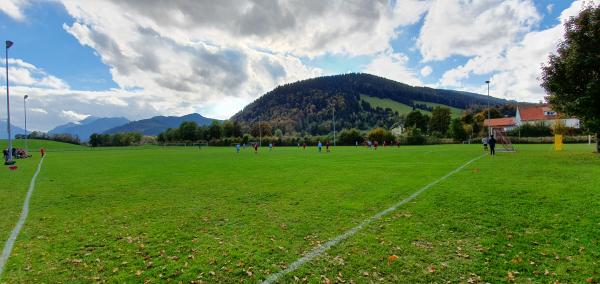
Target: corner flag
{"type": "Point", "coordinates": [9, 43]}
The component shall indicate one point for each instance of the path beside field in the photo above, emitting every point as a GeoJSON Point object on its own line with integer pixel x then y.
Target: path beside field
{"type": "Point", "coordinates": [15, 232]}
{"type": "Point", "coordinates": [321, 249]}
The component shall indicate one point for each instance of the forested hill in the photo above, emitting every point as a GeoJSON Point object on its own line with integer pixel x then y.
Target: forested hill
{"type": "Point", "coordinates": [306, 106]}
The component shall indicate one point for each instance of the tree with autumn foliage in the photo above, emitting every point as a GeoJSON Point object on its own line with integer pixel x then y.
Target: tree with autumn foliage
{"type": "Point", "coordinates": [572, 76]}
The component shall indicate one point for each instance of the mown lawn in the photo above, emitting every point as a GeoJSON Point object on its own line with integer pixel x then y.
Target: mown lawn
{"type": "Point", "coordinates": [184, 214]}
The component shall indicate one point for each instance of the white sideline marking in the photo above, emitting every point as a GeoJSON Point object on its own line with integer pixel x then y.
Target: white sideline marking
{"type": "Point", "coordinates": [15, 232]}
{"type": "Point", "coordinates": [321, 249]}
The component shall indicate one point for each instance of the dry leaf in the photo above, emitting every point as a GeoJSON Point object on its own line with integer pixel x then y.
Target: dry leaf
{"type": "Point", "coordinates": [392, 258]}
{"type": "Point", "coordinates": [510, 276]}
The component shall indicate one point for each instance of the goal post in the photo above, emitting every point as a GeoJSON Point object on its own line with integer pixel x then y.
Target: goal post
{"type": "Point", "coordinates": [501, 138]}
{"type": "Point", "coordinates": [200, 144]}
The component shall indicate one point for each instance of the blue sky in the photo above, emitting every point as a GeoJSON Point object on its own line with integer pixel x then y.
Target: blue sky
{"type": "Point", "coordinates": [122, 58]}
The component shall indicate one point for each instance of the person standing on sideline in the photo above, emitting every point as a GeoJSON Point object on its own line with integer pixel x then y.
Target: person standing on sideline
{"type": "Point", "coordinates": [304, 146]}
{"type": "Point", "coordinates": [492, 143]}
{"type": "Point", "coordinates": [237, 148]}
{"type": "Point", "coordinates": [43, 151]}
{"type": "Point", "coordinates": [327, 146]}
{"type": "Point", "coordinates": [484, 141]}
{"type": "Point", "coordinates": [270, 146]}
{"type": "Point", "coordinates": [319, 146]}
{"type": "Point", "coordinates": [356, 142]}
{"type": "Point", "coordinates": [255, 148]}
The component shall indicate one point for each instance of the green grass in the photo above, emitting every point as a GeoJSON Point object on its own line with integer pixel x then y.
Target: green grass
{"type": "Point", "coordinates": [455, 112]}
{"type": "Point", "coordinates": [183, 214]}
{"type": "Point", "coordinates": [406, 109]}
{"type": "Point", "coordinates": [387, 103]}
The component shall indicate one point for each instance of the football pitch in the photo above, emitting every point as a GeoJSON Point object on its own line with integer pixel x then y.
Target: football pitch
{"type": "Point", "coordinates": [210, 215]}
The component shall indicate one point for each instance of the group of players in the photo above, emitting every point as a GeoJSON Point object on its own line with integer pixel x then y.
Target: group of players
{"type": "Point", "coordinates": [369, 144]}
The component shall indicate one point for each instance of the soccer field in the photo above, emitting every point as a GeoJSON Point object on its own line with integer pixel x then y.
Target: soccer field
{"type": "Point", "coordinates": [210, 215]}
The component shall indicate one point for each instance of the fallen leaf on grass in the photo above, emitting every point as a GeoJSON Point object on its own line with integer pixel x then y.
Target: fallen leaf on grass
{"type": "Point", "coordinates": [431, 269]}
{"type": "Point", "coordinates": [392, 258]}
{"type": "Point", "coordinates": [510, 276]}
{"type": "Point", "coordinates": [589, 280]}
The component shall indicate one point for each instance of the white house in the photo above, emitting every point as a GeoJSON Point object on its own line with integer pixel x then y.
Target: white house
{"type": "Point", "coordinates": [541, 114]}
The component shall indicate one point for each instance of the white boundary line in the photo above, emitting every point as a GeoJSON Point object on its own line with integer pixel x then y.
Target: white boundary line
{"type": "Point", "coordinates": [15, 232]}
{"type": "Point", "coordinates": [321, 249]}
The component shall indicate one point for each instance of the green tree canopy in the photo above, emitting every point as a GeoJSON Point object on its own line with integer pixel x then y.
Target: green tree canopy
{"type": "Point", "coordinates": [572, 77]}
{"type": "Point", "coordinates": [440, 120]}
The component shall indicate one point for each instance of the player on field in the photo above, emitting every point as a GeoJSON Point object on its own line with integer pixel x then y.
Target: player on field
{"type": "Point", "coordinates": [492, 143]}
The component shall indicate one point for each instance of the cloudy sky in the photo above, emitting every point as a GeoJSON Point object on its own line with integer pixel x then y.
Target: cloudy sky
{"type": "Point", "coordinates": [140, 58]}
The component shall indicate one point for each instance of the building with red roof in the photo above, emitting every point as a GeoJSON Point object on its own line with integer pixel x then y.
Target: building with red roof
{"type": "Point", "coordinates": [540, 114]}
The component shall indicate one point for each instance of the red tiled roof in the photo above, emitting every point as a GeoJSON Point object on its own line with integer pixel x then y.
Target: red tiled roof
{"type": "Point", "coordinates": [505, 121]}
{"type": "Point", "coordinates": [535, 113]}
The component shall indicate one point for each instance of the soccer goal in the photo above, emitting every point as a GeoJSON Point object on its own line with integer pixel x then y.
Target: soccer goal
{"type": "Point", "coordinates": [501, 138]}
{"type": "Point", "coordinates": [200, 144]}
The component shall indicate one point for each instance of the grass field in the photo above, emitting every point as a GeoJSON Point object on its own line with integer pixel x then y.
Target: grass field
{"type": "Point", "coordinates": [405, 109]}
{"type": "Point", "coordinates": [387, 103]}
{"type": "Point", "coordinates": [455, 112]}
{"type": "Point", "coordinates": [211, 215]}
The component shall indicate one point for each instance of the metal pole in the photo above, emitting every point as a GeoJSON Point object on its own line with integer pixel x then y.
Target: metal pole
{"type": "Point", "coordinates": [26, 133]}
{"type": "Point", "coordinates": [489, 112]}
{"type": "Point", "coordinates": [333, 126]}
{"type": "Point", "coordinates": [259, 133]}
{"type": "Point", "coordinates": [10, 157]}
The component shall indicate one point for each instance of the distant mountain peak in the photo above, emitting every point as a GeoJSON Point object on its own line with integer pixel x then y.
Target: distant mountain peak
{"type": "Point", "coordinates": [88, 126]}
{"type": "Point", "coordinates": [157, 124]}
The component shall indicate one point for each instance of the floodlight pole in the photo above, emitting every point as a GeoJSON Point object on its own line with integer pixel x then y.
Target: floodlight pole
{"type": "Point", "coordinates": [9, 161]}
{"type": "Point", "coordinates": [25, 112]}
{"type": "Point", "coordinates": [334, 126]}
{"type": "Point", "coordinates": [259, 133]}
{"type": "Point", "coordinates": [489, 111]}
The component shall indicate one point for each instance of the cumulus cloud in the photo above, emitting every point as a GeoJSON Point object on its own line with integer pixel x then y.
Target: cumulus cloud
{"type": "Point", "coordinates": [515, 70]}
{"type": "Point", "coordinates": [190, 55]}
{"type": "Point", "coordinates": [474, 28]}
{"type": "Point", "coordinates": [22, 73]}
{"type": "Point", "coordinates": [426, 71]}
{"type": "Point", "coordinates": [14, 8]}
{"type": "Point", "coordinates": [393, 66]}
{"type": "Point", "coordinates": [73, 116]}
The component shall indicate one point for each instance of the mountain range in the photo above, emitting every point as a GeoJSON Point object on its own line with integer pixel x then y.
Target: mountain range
{"type": "Point", "coordinates": [360, 100]}
{"type": "Point", "coordinates": [88, 126]}
{"type": "Point", "coordinates": [155, 125]}
{"type": "Point", "coordinates": [14, 130]}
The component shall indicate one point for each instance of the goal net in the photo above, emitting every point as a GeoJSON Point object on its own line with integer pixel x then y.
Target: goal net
{"type": "Point", "coordinates": [501, 138]}
{"type": "Point", "coordinates": [200, 144]}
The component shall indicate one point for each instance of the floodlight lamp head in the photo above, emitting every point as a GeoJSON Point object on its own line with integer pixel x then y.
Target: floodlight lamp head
{"type": "Point", "coordinates": [25, 97]}
{"type": "Point", "coordinates": [487, 82]}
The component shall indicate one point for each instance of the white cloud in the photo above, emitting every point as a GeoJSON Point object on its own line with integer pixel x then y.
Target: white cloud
{"type": "Point", "coordinates": [14, 8]}
{"type": "Point", "coordinates": [550, 8]}
{"type": "Point", "coordinates": [474, 28]}
{"type": "Point", "coordinates": [73, 116]}
{"type": "Point", "coordinates": [192, 55]}
{"type": "Point", "coordinates": [393, 66]}
{"type": "Point", "coordinates": [426, 71]}
{"type": "Point", "coordinates": [515, 69]}
{"type": "Point", "coordinates": [38, 110]}
{"type": "Point", "coordinates": [22, 73]}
